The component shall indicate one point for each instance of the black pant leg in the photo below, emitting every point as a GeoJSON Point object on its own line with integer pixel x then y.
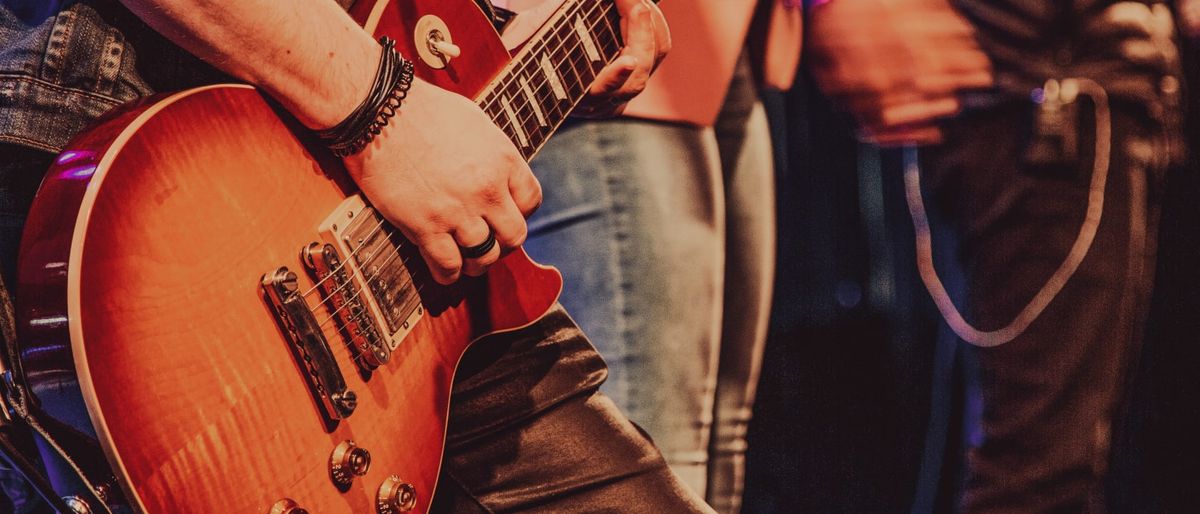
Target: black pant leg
{"type": "Point", "coordinates": [1050, 395]}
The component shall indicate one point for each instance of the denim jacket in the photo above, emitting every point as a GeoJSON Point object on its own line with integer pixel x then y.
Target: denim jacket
{"type": "Point", "coordinates": [64, 63]}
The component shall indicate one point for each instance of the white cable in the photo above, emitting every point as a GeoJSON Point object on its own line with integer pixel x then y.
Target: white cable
{"type": "Point", "coordinates": [1053, 285]}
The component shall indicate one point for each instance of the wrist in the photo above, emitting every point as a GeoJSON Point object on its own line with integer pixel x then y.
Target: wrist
{"type": "Point", "coordinates": [347, 83]}
{"type": "Point", "coordinates": [389, 88]}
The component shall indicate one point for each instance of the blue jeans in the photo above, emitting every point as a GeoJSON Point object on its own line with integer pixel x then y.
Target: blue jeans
{"type": "Point", "coordinates": [665, 234]}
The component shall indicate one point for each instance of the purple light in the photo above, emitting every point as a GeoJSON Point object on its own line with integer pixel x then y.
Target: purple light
{"type": "Point", "coordinates": [78, 172]}
{"type": "Point", "coordinates": [1038, 95]}
{"type": "Point", "coordinates": [70, 156]}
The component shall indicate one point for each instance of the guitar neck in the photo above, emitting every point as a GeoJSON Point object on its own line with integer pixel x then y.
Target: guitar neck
{"type": "Point", "coordinates": [533, 95]}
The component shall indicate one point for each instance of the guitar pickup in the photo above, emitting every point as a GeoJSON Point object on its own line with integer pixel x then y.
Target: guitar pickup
{"type": "Point", "coordinates": [343, 296]}
{"type": "Point", "coordinates": [373, 254]}
{"type": "Point", "coordinates": [309, 346]}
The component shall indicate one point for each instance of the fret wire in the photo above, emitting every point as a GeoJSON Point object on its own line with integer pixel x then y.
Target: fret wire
{"type": "Point", "coordinates": [540, 84]}
{"type": "Point", "coordinates": [529, 60]}
{"type": "Point", "coordinates": [607, 57]}
{"type": "Point", "coordinates": [550, 31]}
{"type": "Point", "coordinates": [526, 55]}
{"type": "Point", "coordinates": [575, 7]}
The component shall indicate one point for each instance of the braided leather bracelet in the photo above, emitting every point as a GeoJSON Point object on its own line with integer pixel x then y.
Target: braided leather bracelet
{"type": "Point", "coordinates": [393, 79]}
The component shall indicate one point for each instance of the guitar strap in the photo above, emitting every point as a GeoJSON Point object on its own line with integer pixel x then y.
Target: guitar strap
{"type": "Point", "coordinates": [20, 413]}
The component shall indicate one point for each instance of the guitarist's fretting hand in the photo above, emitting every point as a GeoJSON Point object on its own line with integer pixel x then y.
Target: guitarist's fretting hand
{"type": "Point", "coordinates": [441, 172]}
{"type": "Point", "coordinates": [647, 41]}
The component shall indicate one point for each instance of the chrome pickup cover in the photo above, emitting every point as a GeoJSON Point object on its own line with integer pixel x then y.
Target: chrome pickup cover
{"type": "Point", "coordinates": [342, 296]}
{"type": "Point", "coordinates": [375, 250]}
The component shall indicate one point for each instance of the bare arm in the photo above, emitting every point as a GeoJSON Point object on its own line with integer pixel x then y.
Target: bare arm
{"type": "Point", "coordinates": [307, 54]}
{"type": "Point", "coordinates": [441, 172]}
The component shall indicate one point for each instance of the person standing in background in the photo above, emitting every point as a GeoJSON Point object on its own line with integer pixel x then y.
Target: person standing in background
{"type": "Point", "coordinates": [663, 223]}
{"type": "Point", "coordinates": [1083, 113]}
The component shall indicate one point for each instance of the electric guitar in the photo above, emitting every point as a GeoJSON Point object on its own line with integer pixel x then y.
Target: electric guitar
{"type": "Point", "coordinates": [248, 333]}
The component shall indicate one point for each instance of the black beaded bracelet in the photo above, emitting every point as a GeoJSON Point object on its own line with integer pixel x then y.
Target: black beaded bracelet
{"type": "Point", "coordinates": [393, 78]}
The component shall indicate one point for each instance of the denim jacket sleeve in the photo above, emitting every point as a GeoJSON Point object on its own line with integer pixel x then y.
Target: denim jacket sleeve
{"type": "Point", "coordinates": [61, 66]}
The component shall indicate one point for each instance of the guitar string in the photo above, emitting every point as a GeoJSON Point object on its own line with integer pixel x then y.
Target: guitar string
{"type": "Point", "coordinates": [554, 32]}
{"type": "Point", "coordinates": [339, 267]}
{"type": "Point", "coordinates": [573, 58]}
{"type": "Point", "coordinates": [572, 52]}
{"type": "Point", "coordinates": [357, 291]}
{"type": "Point", "coordinates": [349, 342]}
{"type": "Point", "coordinates": [331, 294]}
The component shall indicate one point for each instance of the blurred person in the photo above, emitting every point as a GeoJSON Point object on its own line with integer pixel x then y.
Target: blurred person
{"type": "Point", "coordinates": [1014, 178]}
{"type": "Point", "coordinates": [663, 223]}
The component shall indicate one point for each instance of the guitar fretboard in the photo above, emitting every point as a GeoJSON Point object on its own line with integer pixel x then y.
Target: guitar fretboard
{"type": "Point", "coordinates": [553, 72]}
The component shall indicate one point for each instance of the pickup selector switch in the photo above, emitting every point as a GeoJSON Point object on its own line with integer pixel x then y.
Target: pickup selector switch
{"type": "Point", "coordinates": [347, 461]}
{"type": "Point", "coordinates": [395, 496]}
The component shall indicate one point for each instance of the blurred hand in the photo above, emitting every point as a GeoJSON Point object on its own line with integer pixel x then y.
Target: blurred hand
{"type": "Point", "coordinates": [445, 175]}
{"type": "Point", "coordinates": [647, 41]}
{"type": "Point", "coordinates": [1189, 17]}
{"type": "Point", "coordinates": [896, 65]}
{"type": "Point", "coordinates": [1141, 34]}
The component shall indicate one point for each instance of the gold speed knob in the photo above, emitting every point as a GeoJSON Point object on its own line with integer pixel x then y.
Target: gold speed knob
{"type": "Point", "coordinates": [287, 506]}
{"type": "Point", "coordinates": [347, 461]}
{"type": "Point", "coordinates": [395, 496]}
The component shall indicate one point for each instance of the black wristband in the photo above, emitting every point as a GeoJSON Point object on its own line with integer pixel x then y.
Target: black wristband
{"type": "Point", "coordinates": [393, 78]}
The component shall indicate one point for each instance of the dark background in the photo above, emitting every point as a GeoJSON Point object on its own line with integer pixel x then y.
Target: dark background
{"type": "Point", "coordinates": [861, 401]}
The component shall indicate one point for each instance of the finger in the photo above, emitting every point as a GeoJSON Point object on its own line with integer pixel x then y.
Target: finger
{"type": "Point", "coordinates": [473, 234]}
{"type": "Point", "coordinates": [1144, 53]}
{"type": "Point", "coordinates": [640, 39]}
{"type": "Point", "coordinates": [508, 225]}
{"type": "Point", "coordinates": [612, 77]}
{"type": "Point", "coordinates": [945, 84]}
{"type": "Point", "coordinates": [443, 257]}
{"type": "Point", "coordinates": [662, 32]}
{"type": "Point", "coordinates": [525, 190]}
{"type": "Point", "coordinates": [889, 138]}
{"type": "Point", "coordinates": [919, 112]}
{"type": "Point", "coordinates": [625, 7]}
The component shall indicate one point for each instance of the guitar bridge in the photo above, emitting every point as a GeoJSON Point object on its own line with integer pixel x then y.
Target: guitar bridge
{"type": "Point", "coordinates": [311, 349]}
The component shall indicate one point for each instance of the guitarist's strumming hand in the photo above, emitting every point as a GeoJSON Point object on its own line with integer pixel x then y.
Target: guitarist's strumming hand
{"type": "Point", "coordinates": [445, 175]}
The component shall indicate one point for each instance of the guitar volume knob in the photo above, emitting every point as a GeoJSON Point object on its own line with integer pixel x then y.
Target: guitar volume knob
{"type": "Point", "coordinates": [347, 461]}
{"type": "Point", "coordinates": [287, 506]}
{"type": "Point", "coordinates": [395, 496]}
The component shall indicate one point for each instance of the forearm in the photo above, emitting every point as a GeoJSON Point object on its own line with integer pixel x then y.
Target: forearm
{"type": "Point", "coordinates": [307, 54]}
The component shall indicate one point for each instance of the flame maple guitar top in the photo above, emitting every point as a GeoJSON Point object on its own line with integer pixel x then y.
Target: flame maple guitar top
{"type": "Point", "coordinates": [140, 275]}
